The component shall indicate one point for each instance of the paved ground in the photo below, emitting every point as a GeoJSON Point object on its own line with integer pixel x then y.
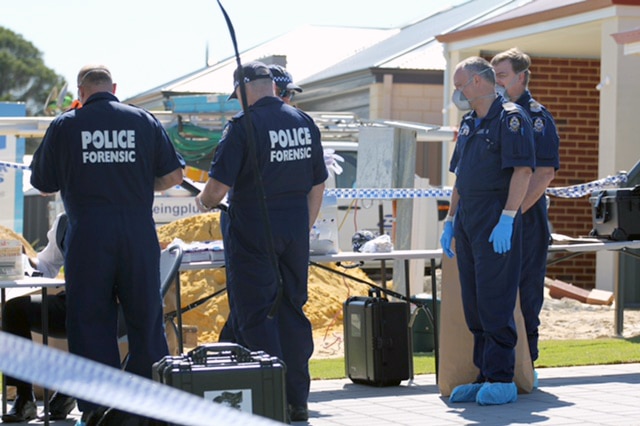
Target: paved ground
{"type": "Point", "coordinates": [595, 395]}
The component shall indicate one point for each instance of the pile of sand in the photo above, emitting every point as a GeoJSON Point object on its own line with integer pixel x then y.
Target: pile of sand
{"type": "Point", "coordinates": [327, 291]}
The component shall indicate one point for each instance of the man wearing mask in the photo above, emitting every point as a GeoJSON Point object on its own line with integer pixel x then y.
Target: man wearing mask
{"type": "Point", "coordinates": [493, 162]}
{"type": "Point", "coordinates": [512, 76]}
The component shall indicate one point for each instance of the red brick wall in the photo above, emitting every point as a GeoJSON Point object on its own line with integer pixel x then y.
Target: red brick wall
{"type": "Point", "coordinates": [566, 87]}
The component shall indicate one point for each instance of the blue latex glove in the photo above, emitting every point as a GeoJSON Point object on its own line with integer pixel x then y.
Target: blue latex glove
{"type": "Point", "coordinates": [501, 234]}
{"type": "Point", "coordinates": [445, 239]}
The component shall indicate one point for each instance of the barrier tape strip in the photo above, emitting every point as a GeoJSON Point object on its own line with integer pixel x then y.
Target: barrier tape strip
{"type": "Point", "coordinates": [577, 191]}
{"type": "Point", "coordinates": [387, 193]}
{"type": "Point", "coordinates": [111, 387]}
{"type": "Point", "coordinates": [10, 165]}
{"type": "Point", "coordinates": [574, 191]}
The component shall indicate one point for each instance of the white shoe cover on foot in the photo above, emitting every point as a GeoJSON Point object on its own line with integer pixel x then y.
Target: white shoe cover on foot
{"type": "Point", "coordinates": [497, 393]}
{"type": "Point", "coordinates": [465, 393]}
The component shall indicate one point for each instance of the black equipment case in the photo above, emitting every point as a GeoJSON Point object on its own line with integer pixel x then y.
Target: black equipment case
{"type": "Point", "coordinates": [376, 341]}
{"type": "Point", "coordinates": [229, 374]}
{"type": "Point", "coordinates": [616, 213]}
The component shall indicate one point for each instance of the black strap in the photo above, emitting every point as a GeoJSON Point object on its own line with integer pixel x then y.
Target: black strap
{"type": "Point", "coordinates": [256, 171]}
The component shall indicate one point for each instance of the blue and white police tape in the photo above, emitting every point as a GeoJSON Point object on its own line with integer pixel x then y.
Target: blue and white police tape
{"type": "Point", "coordinates": [111, 387]}
{"type": "Point", "coordinates": [10, 165]}
{"type": "Point", "coordinates": [387, 193]}
{"type": "Point", "coordinates": [577, 191]}
{"type": "Point", "coordinates": [574, 191]}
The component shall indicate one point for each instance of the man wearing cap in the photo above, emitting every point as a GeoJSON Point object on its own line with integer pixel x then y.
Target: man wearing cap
{"type": "Point", "coordinates": [107, 159]}
{"type": "Point", "coordinates": [292, 172]}
{"type": "Point", "coordinates": [285, 87]}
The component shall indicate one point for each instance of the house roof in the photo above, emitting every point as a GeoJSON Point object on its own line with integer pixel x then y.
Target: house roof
{"type": "Point", "coordinates": [316, 53]}
{"type": "Point", "coordinates": [539, 24]}
{"type": "Point", "coordinates": [415, 45]}
{"type": "Point", "coordinates": [307, 49]}
{"type": "Point", "coordinates": [631, 36]}
{"type": "Point", "coordinates": [630, 40]}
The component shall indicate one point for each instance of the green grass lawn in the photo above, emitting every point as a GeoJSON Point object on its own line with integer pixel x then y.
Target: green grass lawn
{"type": "Point", "coordinates": [553, 353]}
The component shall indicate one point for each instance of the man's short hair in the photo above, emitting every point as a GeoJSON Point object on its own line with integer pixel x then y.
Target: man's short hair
{"type": "Point", "coordinates": [94, 75]}
{"type": "Point", "coordinates": [476, 65]}
{"type": "Point", "coordinates": [520, 61]}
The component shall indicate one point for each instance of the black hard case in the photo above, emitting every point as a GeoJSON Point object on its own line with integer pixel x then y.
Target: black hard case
{"type": "Point", "coordinates": [230, 374]}
{"type": "Point", "coordinates": [616, 213]}
{"type": "Point", "coordinates": [376, 341]}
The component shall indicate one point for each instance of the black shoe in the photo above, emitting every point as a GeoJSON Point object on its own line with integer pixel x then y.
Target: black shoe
{"type": "Point", "coordinates": [298, 413]}
{"type": "Point", "coordinates": [23, 410]}
{"type": "Point", "coordinates": [60, 406]}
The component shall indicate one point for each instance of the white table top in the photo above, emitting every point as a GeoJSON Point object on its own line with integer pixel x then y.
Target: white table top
{"type": "Point", "coordinates": [590, 244]}
{"type": "Point", "coordinates": [392, 255]}
{"type": "Point", "coordinates": [348, 256]}
{"type": "Point", "coordinates": [572, 245]}
{"type": "Point", "coordinates": [32, 282]}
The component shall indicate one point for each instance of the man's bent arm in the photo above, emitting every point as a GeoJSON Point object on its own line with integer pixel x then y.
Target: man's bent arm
{"type": "Point", "coordinates": [539, 182]}
{"type": "Point", "coordinates": [169, 180]}
{"type": "Point", "coordinates": [314, 201]}
{"type": "Point", "coordinates": [212, 194]}
{"type": "Point", "coordinates": [518, 187]}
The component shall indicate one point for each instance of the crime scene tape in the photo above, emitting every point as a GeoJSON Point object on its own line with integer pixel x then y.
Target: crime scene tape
{"type": "Point", "coordinates": [574, 191]}
{"type": "Point", "coordinates": [577, 191]}
{"type": "Point", "coordinates": [111, 387]}
{"type": "Point", "coordinates": [387, 193]}
{"type": "Point", "coordinates": [10, 165]}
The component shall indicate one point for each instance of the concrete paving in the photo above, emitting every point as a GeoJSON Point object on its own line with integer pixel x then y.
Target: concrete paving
{"type": "Point", "coordinates": [593, 395]}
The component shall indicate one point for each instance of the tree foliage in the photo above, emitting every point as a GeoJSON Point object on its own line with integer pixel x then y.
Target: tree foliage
{"type": "Point", "coordinates": [25, 78]}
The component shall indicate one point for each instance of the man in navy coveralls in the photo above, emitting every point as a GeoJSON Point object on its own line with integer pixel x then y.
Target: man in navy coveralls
{"type": "Point", "coordinates": [107, 159]}
{"type": "Point", "coordinates": [493, 162]}
{"type": "Point", "coordinates": [292, 169]}
{"type": "Point", "coordinates": [512, 77]}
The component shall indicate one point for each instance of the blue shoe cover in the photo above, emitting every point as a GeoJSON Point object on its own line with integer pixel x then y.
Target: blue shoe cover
{"type": "Point", "coordinates": [80, 423]}
{"type": "Point", "coordinates": [497, 393]}
{"type": "Point", "coordinates": [465, 393]}
{"type": "Point", "coordinates": [535, 379]}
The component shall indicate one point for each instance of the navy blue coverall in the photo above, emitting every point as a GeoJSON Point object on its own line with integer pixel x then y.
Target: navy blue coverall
{"type": "Point", "coordinates": [290, 161]}
{"type": "Point", "coordinates": [486, 152]}
{"type": "Point", "coordinates": [535, 223]}
{"type": "Point", "coordinates": [104, 158]}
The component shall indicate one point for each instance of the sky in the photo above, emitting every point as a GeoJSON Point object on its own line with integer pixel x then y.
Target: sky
{"type": "Point", "coordinates": [148, 43]}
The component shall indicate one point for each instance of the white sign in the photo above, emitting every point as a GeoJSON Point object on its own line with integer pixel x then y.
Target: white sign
{"type": "Point", "coordinates": [240, 399]}
{"type": "Point", "coordinates": [168, 209]}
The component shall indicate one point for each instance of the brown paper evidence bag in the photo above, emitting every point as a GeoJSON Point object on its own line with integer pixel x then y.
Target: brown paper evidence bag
{"type": "Point", "coordinates": [456, 341]}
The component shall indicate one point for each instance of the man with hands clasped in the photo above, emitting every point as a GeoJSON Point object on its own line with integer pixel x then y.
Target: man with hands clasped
{"type": "Point", "coordinates": [512, 76]}
{"type": "Point", "coordinates": [493, 162]}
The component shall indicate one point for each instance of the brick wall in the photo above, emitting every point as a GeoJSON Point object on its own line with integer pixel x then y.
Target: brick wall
{"type": "Point", "coordinates": [567, 88]}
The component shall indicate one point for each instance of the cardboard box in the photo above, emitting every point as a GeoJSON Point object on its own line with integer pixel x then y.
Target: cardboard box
{"type": "Point", "coordinates": [11, 260]}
